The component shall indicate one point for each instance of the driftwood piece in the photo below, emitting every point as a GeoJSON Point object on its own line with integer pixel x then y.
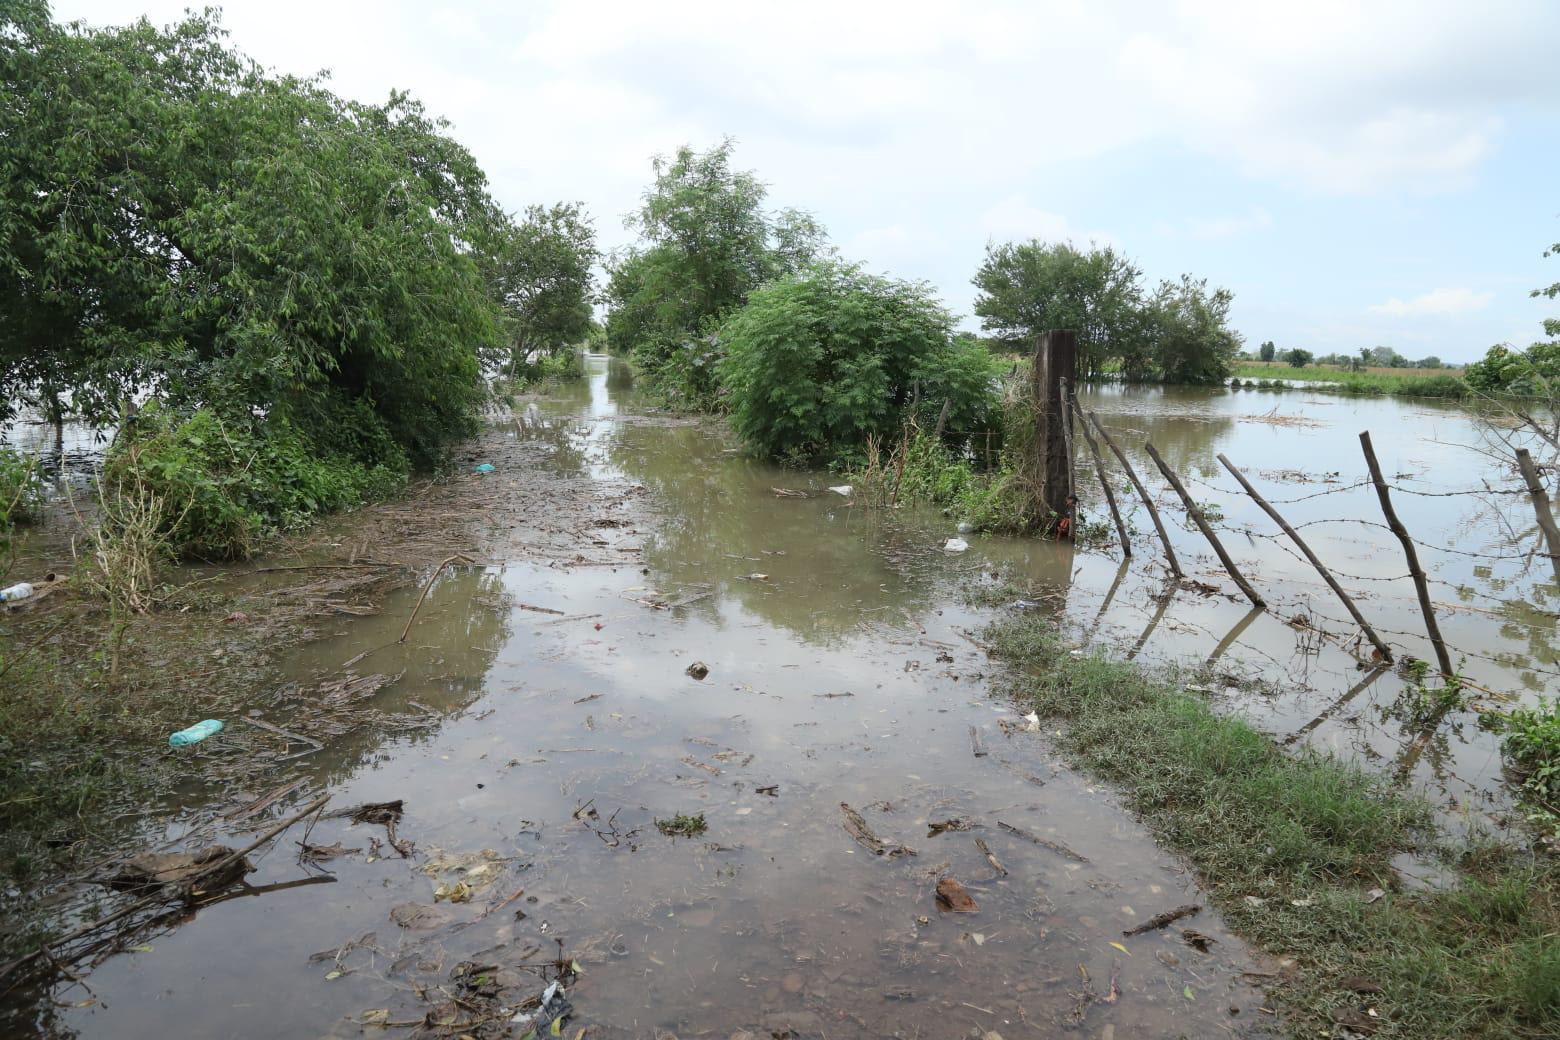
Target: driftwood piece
{"type": "Point", "coordinates": [996, 864]}
{"type": "Point", "coordinates": [206, 870]}
{"type": "Point", "coordinates": [1161, 920]}
{"type": "Point", "coordinates": [1045, 843]}
{"type": "Point", "coordinates": [857, 828]}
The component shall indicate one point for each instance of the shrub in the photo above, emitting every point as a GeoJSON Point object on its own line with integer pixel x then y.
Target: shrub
{"type": "Point", "coordinates": [1532, 744]}
{"type": "Point", "coordinates": [818, 362]}
{"type": "Point", "coordinates": [229, 484]}
{"type": "Point", "coordinates": [21, 488]}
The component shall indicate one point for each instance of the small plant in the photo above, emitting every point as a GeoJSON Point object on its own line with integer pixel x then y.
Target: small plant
{"type": "Point", "coordinates": [1532, 744]}
{"type": "Point", "coordinates": [683, 826]}
{"type": "Point", "coordinates": [21, 488]}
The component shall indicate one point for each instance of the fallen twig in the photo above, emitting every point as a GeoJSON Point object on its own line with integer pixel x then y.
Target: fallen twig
{"type": "Point", "coordinates": [428, 587]}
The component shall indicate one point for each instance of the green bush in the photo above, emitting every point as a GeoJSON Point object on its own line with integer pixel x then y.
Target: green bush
{"type": "Point", "coordinates": [817, 363]}
{"type": "Point", "coordinates": [21, 488]}
{"type": "Point", "coordinates": [1532, 744]}
{"type": "Point", "coordinates": [231, 484]}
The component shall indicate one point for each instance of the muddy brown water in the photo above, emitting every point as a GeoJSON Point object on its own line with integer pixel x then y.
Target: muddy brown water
{"type": "Point", "coordinates": [841, 669]}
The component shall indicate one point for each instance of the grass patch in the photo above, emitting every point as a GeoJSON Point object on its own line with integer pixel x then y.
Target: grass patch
{"type": "Point", "coordinates": [1476, 961]}
{"type": "Point", "coordinates": [682, 826]}
{"type": "Point", "coordinates": [1396, 382]}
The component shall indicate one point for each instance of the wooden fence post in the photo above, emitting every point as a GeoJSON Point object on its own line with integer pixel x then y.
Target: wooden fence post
{"type": "Point", "coordinates": [1540, 498]}
{"type": "Point", "coordinates": [1421, 585]}
{"type": "Point", "coordinates": [1321, 568]}
{"type": "Point", "coordinates": [1202, 525]}
{"type": "Point", "coordinates": [1055, 362]}
{"type": "Point", "coordinates": [1099, 471]}
{"type": "Point", "coordinates": [1067, 445]}
{"type": "Point", "coordinates": [1153, 512]}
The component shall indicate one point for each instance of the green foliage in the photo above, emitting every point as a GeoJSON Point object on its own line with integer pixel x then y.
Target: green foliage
{"type": "Point", "coordinates": [683, 825]}
{"type": "Point", "coordinates": [1179, 334]}
{"type": "Point", "coordinates": [175, 220]}
{"type": "Point", "coordinates": [1030, 287]}
{"type": "Point", "coordinates": [1192, 340]}
{"type": "Point", "coordinates": [1267, 350]}
{"type": "Point", "coordinates": [1519, 373]}
{"type": "Point", "coordinates": [818, 362]}
{"type": "Point", "coordinates": [541, 368]}
{"type": "Point", "coordinates": [544, 279]}
{"type": "Point", "coordinates": [229, 485]}
{"type": "Point", "coordinates": [706, 242]}
{"type": "Point", "coordinates": [21, 488]}
{"type": "Point", "coordinates": [1532, 743]}
{"type": "Point", "coordinates": [1298, 357]}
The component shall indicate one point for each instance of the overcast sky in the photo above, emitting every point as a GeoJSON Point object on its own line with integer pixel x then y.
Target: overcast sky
{"type": "Point", "coordinates": [1358, 173]}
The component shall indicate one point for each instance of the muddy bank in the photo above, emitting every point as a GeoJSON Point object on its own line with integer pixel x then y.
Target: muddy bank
{"type": "Point", "coordinates": [562, 724]}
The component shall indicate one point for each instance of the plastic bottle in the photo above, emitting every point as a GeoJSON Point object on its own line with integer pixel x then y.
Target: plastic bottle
{"type": "Point", "coordinates": [21, 590]}
{"type": "Point", "coordinates": [196, 733]}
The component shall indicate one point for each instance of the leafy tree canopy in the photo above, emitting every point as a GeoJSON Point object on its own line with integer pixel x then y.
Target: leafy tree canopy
{"type": "Point", "coordinates": [706, 242]}
{"type": "Point", "coordinates": [544, 279]}
{"type": "Point", "coordinates": [1180, 333]}
{"type": "Point", "coordinates": [174, 220]}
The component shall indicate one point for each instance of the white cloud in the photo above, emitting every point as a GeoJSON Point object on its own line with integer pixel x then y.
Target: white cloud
{"type": "Point", "coordinates": [1014, 218]}
{"type": "Point", "coordinates": [1436, 302]}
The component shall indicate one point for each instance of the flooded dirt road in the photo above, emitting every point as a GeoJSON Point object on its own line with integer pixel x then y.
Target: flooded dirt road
{"type": "Point", "coordinates": [563, 724]}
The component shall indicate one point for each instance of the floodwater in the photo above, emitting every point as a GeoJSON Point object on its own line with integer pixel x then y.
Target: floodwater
{"type": "Point", "coordinates": [841, 669]}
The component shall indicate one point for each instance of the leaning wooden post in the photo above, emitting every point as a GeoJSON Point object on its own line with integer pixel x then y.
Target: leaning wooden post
{"type": "Point", "coordinates": [1202, 525]}
{"type": "Point", "coordinates": [1421, 585]}
{"type": "Point", "coordinates": [1099, 471]}
{"type": "Point", "coordinates": [1321, 568]}
{"type": "Point", "coordinates": [1153, 511]}
{"type": "Point", "coordinates": [1055, 361]}
{"type": "Point", "coordinates": [1540, 497]}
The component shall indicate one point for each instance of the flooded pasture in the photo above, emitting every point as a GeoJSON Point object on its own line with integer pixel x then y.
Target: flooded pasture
{"type": "Point", "coordinates": [843, 677]}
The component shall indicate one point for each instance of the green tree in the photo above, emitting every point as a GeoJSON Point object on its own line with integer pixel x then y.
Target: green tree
{"type": "Point", "coordinates": [706, 242]}
{"type": "Point", "coordinates": [1267, 350]}
{"type": "Point", "coordinates": [821, 360]}
{"type": "Point", "coordinates": [177, 221]}
{"type": "Point", "coordinates": [1027, 288]}
{"type": "Point", "coordinates": [1297, 357]}
{"type": "Point", "coordinates": [544, 279]}
{"type": "Point", "coordinates": [1192, 340]}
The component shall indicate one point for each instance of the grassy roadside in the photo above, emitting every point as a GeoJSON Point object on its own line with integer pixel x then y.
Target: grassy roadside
{"type": "Point", "coordinates": [1289, 847]}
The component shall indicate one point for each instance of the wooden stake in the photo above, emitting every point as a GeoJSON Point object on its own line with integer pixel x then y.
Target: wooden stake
{"type": "Point", "coordinates": [1099, 471]}
{"type": "Point", "coordinates": [1153, 512]}
{"type": "Point", "coordinates": [1540, 497]}
{"type": "Point", "coordinates": [1421, 585]}
{"type": "Point", "coordinates": [1321, 568]}
{"type": "Point", "coordinates": [1067, 444]}
{"type": "Point", "coordinates": [1202, 525]}
{"type": "Point", "coordinates": [1055, 358]}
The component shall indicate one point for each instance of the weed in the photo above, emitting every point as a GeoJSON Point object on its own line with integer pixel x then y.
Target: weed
{"type": "Point", "coordinates": [1532, 744]}
{"type": "Point", "coordinates": [683, 826]}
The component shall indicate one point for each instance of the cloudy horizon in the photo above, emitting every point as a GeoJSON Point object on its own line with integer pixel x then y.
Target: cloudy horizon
{"type": "Point", "coordinates": [1357, 175]}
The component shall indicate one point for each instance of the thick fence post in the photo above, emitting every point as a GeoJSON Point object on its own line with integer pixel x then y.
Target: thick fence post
{"type": "Point", "coordinates": [1540, 499]}
{"type": "Point", "coordinates": [1321, 568]}
{"type": "Point", "coordinates": [1421, 585]}
{"type": "Point", "coordinates": [1153, 512]}
{"type": "Point", "coordinates": [1056, 359]}
{"type": "Point", "coordinates": [1203, 526]}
